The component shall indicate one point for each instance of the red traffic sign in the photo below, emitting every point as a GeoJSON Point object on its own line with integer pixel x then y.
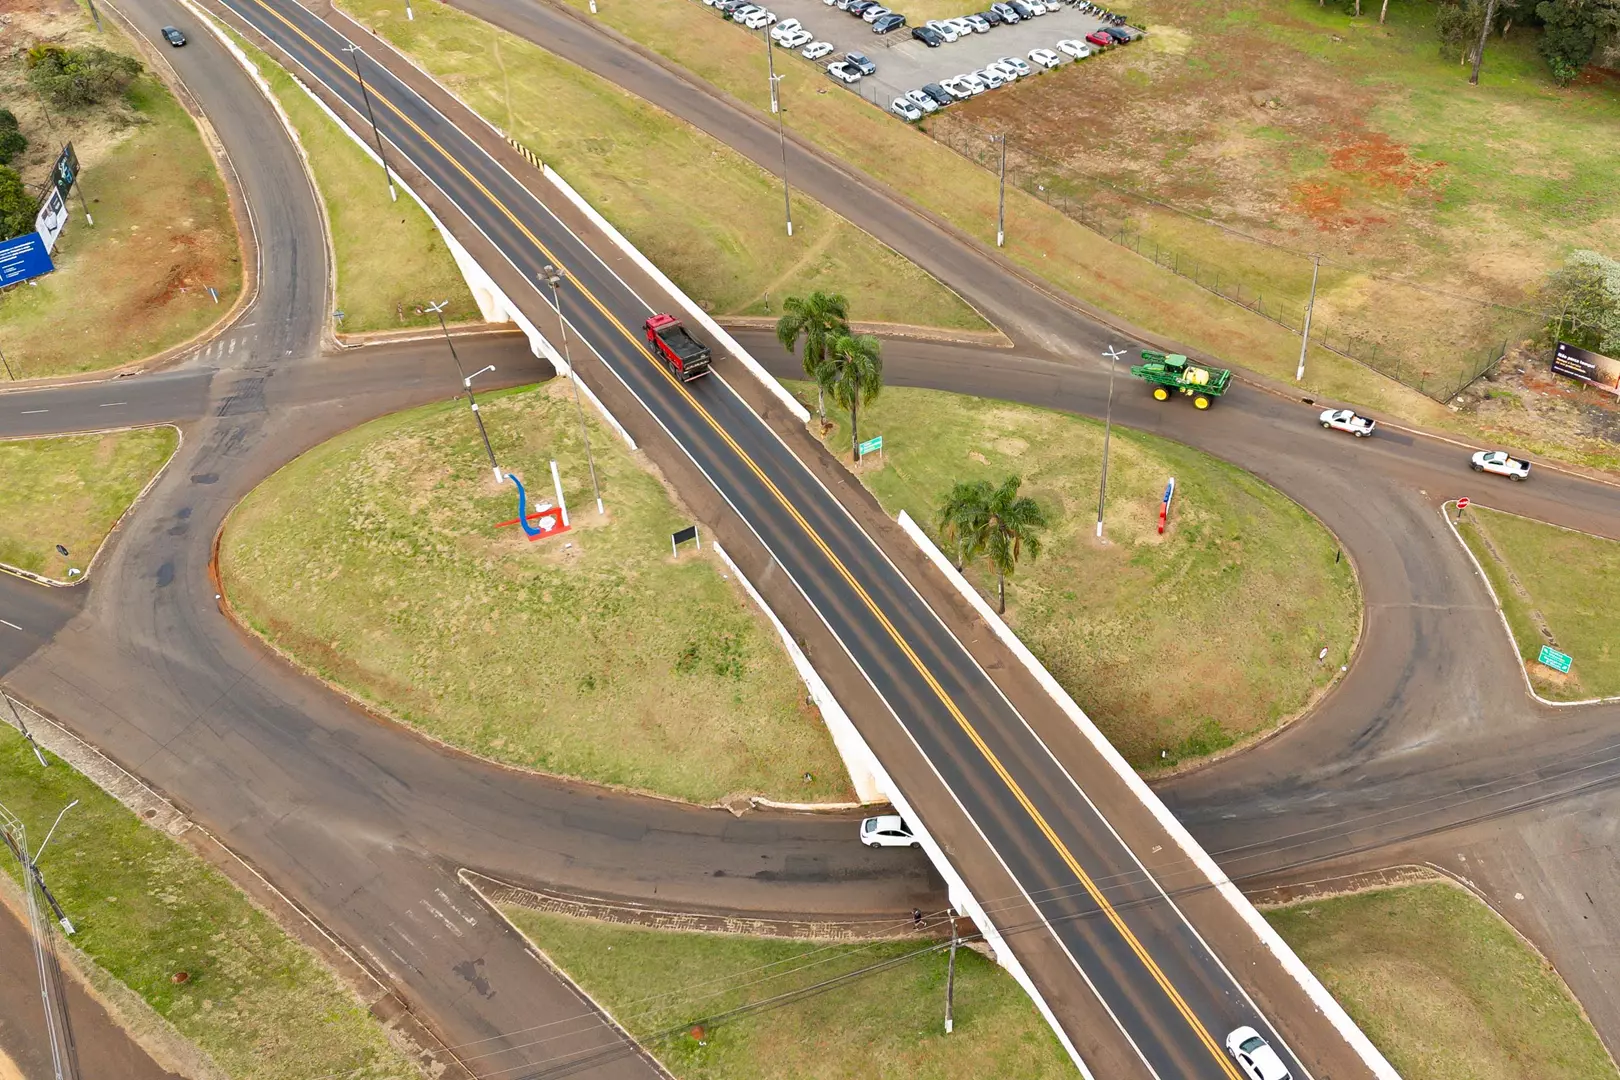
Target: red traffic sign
{"type": "Point", "coordinates": [1462, 503]}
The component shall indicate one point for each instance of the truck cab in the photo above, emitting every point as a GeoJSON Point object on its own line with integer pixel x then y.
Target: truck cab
{"type": "Point", "coordinates": [686, 357]}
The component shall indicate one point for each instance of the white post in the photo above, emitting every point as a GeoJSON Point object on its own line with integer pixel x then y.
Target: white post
{"type": "Point", "coordinates": [556, 483]}
{"type": "Point", "coordinates": [697, 539]}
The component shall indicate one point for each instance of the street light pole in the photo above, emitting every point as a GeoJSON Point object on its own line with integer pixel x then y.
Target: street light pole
{"type": "Point", "coordinates": [1113, 355]}
{"type": "Point", "coordinates": [550, 276]}
{"type": "Point", "coordinates": [781, 133]}
{"type": "Point", "coordinates": [12, 375]}
{"type": "Point", "coordinates": [354, 54]}
{"type": "Point", "coordinates": [1001, 196]}
{"type": "Point", "coordinates": [466, 383]}
{"type": "Point", "coordinates": [1305, 338]}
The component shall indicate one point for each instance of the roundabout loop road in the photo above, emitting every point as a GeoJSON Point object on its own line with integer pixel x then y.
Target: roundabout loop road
{"type": "Point", "coordinates": [1428, 749]}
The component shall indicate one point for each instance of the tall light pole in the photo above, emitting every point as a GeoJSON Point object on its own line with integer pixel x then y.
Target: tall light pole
{"type": "Point", "coordinates": [550, 276]}
{"type": "Point", "coordinates": [1001, 196]}
{"type": "Point", "coordinates": [354, 54]}
{"type": "Point", "coordinates": [12, 375]}
{"type": "Point", "coordinates": [1305, 338]}
{"type": "Point", "coordinates": [1113, 354]}
{"type": "Point", "coordinates": [466, 382]}
{"type": "Point", "coordinates": [781, 133]}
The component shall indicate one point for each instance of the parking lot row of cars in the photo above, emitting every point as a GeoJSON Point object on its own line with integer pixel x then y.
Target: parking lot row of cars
{"type": "Point", "coordinates": [916, 104]}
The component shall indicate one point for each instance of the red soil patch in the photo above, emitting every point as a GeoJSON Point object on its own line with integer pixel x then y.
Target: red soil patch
{"type": "Point", "coordinates": [1378, 160]}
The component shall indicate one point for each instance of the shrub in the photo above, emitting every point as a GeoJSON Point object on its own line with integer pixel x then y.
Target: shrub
{"type": "Point", "coordinates": [1586, 293]}
{"type": "Point", "coordinates": [79, 78]}
{"type": "Point", "coordinates": [12, 141]}
{"type": "Point", "coordinates": [17, 206]}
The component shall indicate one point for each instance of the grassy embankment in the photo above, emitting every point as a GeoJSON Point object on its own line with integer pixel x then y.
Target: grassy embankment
{"type": "Point", "coordinates": [374, 560]}
{"type": "Point", "coordinates": [1566, 581]}
{"type": "Point", "coordinates": [390, 257]}
{"type": "Point", "coordinates": [1176, 645]}
{"type": "Point", "coordinates": [1443, 987]}
{"type": "Point", "coordinates": [71, 490]}
{"type": "Point", "coordinates": [709, 218]}
{"type": "Point", "coordinates": [135, 283]}
{"type": "Point", "coordinates": [256, 1002]}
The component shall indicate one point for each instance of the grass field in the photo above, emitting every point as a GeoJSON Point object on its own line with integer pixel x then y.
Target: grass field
{"type": "Point", "coordinates": [1176, 645]}
{"type": "Point", "coordinates": [1444, 987]}
{"type": "Point", "coordinates": [374, 561]}
{"type": "Point", "coordinates": [71, 490]}
{"type": "Point", "coordinates": [709, 218]}
{"type": "Point", "coordinates": [1563, 580]}
{"type": "Point", "coordinates": [135, 283]}
{"type": "Point", "coordinates": [886, 1026]}
{"type": "Point", "coordinates": [390, 257]}
{"type": "Point", "coordinates": [257, 1002]}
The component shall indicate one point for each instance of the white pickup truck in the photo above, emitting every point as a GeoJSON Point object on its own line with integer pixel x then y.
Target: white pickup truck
{"type": "Point", "coordinates": [1495, 461]}
{"type": "Point", "coordinates": [1345, 420]}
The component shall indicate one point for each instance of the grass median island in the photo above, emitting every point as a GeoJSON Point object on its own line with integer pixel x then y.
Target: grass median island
{"type": "Point", "coordinates": [888, 1024]}
{"type": "Point", "coordinates": [71, 490]}
{"type": "Point", "coordinates": [1563, 581]}
{"type": "Point", "coordinates": [706, 216]}
{"type": "Point", "coordinates": [257, 1002]}
{"type": "Point", "coordinates": [135, 283]}
{"type": "Point", "coordinates": [1176, 645]}
{"type": "Point", "coordinates": [390, 257]}
{"type": "Point", "coordinates": [1444, 987]}
{"type": "Point", "coordinates": [374, 560]}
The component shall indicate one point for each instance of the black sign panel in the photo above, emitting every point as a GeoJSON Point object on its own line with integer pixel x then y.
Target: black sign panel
{"type": "Point", "coordinates": [66, 171]}
{"type": "Point", "coordinates": [676, 539]}
{"type": "Point", "coordinates": [1575, 362]}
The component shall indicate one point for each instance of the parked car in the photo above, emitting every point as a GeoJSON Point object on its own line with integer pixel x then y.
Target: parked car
{"type": "Point", "coordinates": [873, 14]}
{"type": "Point", "coordinates": [1038, 7]}
{"type": "Point", "coordinates": [1023, 9]}
{"type": "Point", "coordinates": [928, 36]}
{"type": "Point", "coordinates": [1008, 75]}
{"type": "Point", "coordinates": [975, 83]}
{"type": "Point", "coordinates": [1345, 420]}
{"type": "Point", "coordinates": [1045, 57]}
{"type": "Point", "coordinates": [1017, 65]}
{"type": "Point", "coordinates": [1074, 47]}
{"type": "Point", "coordinates": [885, 23]}
{"type": "Point", "coordinates": [1006, 11]}
{"type": "Point", "coordinates": [796, 39]}
{"type": "Point", "coordinates": [942, 97]}
{"type": "Point", "coordinates": [759, 20]}
{"type": "Point", "coordinates": [943, 29]}
{"type": "Point", "coordinates": [980, 26]}
{"type": "Point", "coordinates": [860, 63]}
{"type": "Point", "coordinates": [816, 50]}
{"type": "Point", "coordinates": [1119, 36]}
{"type": "Point", "coordinates": [889, 830]}
{"type": "Point", "coordinates": [858, 6]}
{"type": "Point", "coordinates": [1501, 464]}
{"type": "Point", "coordinates": [1099, 39]}
{"type": "Point", "coordinates": [1251, 1052]}
{"type": "Point", "coordinates": [963, 27]}
{"type": "Point", "coordinates": [958, 89]}
{"type": "Point", "coordinates": [842, 5]}
{"type": "Point", "coordinates": [923, 100]}
{"type": "Point", "coordinates": [992, 78]}
{"type": "Point", "coordinates": [905, 108]}
{"type": "Point", "coordinates": [785, 27]}
{"type": "Point", "coordinates": [844, 73]}
{"type": "Point", "coordinates": [173, 36]}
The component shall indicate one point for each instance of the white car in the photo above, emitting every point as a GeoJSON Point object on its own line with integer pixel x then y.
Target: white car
{"type": "Point", "coordinates": [1077, 49]}
{"type": "Point", "coordinates": [1501, 464]}
{"type": "Point", "coordinates": [943, 29]}
{"type": "Point", "coordinates": [889, 830]}
{"type": "Point", "coordinates": [816, 50]}
{"type": "Point", "coordinates": [963, 27]}
{"type": "Point", "coordinates": [1017, 65]}
{"type": "Point", "coordinates": [784, 28]}
{"type": "Point", "coordinates": [1039, 8]}
{"type": "Point", "coordinates": [1345, 420]}
{"type": "Point", "coordinates": [906, 109]}
{"type": "Point", "coordinates": [1045, 57]}
{"type": "Point", "coordinates": [1008, 75]}
{"type": "Point", "coordinates": [974, 82]}
{"type": "Point", "coordinates": [844, 73]}
{"type": "Point", "coordinates": [1255, 1056]}
{"type": "Point", "coordinates": [956, 88]}
{"type": "Point", "coordinates": [759, 20]}
{"type": "Point", "coordinates": [872, 14]}
{"type": "Point", "coordinates": [980, 24]}
{"type": "Point", "coordinates": [993, 78]}
{"type": "Point", "coordinates": [921, 99]}
{"type": "Point", "coordinates": [795, 38]}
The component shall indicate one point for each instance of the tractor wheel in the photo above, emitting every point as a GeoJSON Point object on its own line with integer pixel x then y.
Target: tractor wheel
{"type": "Point", "coordinates": [1200, 401]}
{"type": "Point", "coordinates": [1161, 394]}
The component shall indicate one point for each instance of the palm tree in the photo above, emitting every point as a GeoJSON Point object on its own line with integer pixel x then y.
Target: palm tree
{"type": "Point", "coordinates": [980, 519]}
{"type": "Point", "coordinates": [816, 318]}
{"type": "Point", "coordinates": [853, 375]}
{"type": "Point", "coordinates": [962, 516]}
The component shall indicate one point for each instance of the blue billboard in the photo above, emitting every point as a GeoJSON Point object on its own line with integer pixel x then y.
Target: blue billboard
{"type": "Point", "coordinates": [24, 257]}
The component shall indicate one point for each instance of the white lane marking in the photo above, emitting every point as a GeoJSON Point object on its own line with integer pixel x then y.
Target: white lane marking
{"type": "Point", "coordinates": [442, 917]}
{"type": "Point", "coordinates": [110, 404]}
{"type": "Point", "coordinates": [33, 412]}
{"type": "Point", "coordinates": [451, 904]}
{"type": "Point", "coordinates": [231, 348]}
{"type": "Point", "coordinates": [13, 625]}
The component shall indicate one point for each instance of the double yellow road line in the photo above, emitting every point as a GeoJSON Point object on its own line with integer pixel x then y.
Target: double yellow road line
{"type": "Point", "coordinates": [882, 619]}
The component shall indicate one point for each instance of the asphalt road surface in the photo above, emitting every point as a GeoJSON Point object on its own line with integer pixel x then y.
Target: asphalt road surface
{"type": "Point", "coordinates": [365, 824]}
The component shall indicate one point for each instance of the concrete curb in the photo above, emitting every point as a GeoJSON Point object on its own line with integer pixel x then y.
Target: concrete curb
{"type": "Point", "coordinates": [1496, 601]}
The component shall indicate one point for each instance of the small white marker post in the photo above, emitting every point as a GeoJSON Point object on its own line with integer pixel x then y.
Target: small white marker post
{"type": "Point", "coordinates": [556, 483]}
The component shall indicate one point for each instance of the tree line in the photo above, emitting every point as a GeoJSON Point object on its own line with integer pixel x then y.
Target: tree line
{"type": "Point", "coordinates": [1575, 34]}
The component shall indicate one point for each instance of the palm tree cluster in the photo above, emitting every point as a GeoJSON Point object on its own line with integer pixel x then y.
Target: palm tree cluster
{"type": "Point", "coordinates": [981, 518]}
{"type": "Point", "coordinates": [845, 365]}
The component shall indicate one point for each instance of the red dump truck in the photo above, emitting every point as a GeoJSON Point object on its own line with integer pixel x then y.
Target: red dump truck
{"type": "Point", "coordinates": [687, 357]}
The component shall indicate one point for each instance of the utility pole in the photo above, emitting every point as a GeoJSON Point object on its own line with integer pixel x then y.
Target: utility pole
{"type": "Point", "coordinates": [781, 133]}
{"type": "Point", "coordinates": [365, 95]}
{"type": "Point", "coordinates": [1113, 355]}
{"type": "Point", "coordinates": [466, 382]}
{"type": "Point", "coordinates": [1305, 338]}
{"type": "Point", "coordinates": [551, 277]}
{"type": "Point", "coordinates": [22, 727]}
{"type": "Point", "coordinates": [52, 992]}
{"type": "Point", "coordinates": [12, 375]}
{"type": "Point", "coordinates": [950, 976]}
{"type": "Point", "coordinates": [1001, 196]}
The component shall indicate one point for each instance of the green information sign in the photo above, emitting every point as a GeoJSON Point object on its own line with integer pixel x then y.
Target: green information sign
{"type": "Point", "coordinates": [1554, 659]}
{"type": "Point", "coordinates": [874, 443]}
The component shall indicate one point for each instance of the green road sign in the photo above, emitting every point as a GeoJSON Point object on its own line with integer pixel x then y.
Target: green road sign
{"type": "Point", "coordinates": [1554, 659]}
{"type": "Point", "coordinates": [874, 443]}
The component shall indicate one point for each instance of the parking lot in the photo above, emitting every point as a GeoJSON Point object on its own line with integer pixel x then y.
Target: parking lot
{"type": "Point", "coordinates": [904, 63]}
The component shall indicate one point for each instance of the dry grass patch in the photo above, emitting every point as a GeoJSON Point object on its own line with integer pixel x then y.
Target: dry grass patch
{"type": "Point", "coordinates": [374, 560]}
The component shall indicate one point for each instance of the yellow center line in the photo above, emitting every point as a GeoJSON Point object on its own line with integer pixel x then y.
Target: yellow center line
{"type": "Point", "coordinates": [956, 713]}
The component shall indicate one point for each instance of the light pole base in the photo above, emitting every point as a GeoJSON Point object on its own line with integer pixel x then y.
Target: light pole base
{"type": "Point", "coordinates": [790, 227]}
{"type": "Point", "coordinates": [1001, 238]}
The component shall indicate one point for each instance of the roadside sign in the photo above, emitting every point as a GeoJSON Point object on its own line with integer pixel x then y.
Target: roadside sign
{"type": "Point", "coordinates": [872, 444]}
{"type": "Point", "coordinates": [24, 257]}
{"type": "Point", "coordinates": [1551, 657]}
{"type": "Point", "coordinates": [1462, 503]}
{"type": "Point", "coordinates": [681, 536]}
